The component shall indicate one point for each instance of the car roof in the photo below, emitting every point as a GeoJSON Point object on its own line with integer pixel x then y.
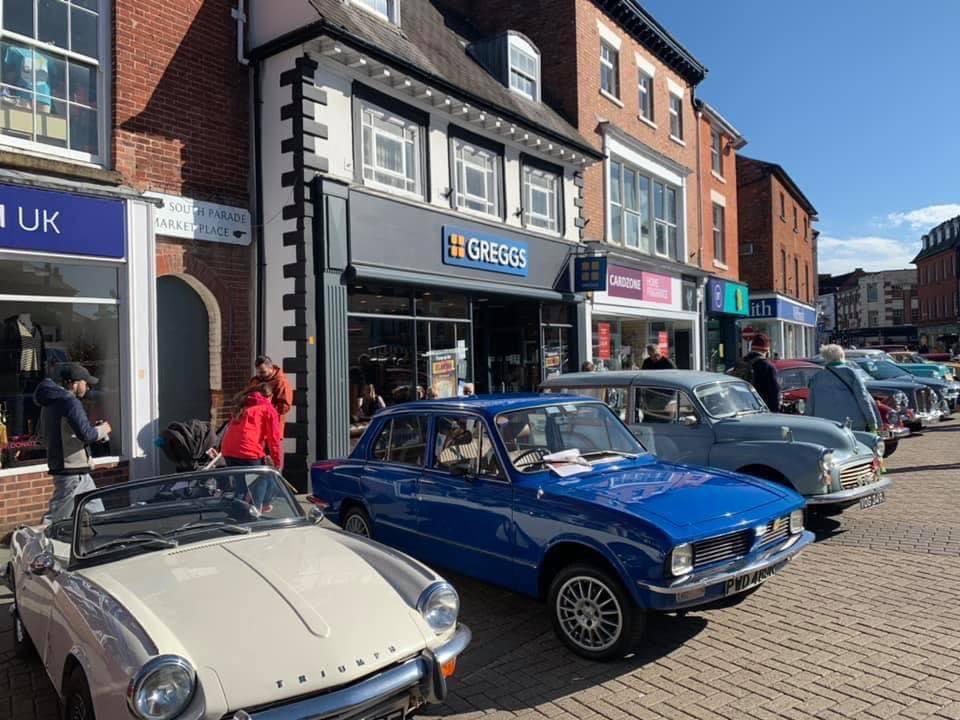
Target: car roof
{"type": "Point", "coordinates": [491, 404]}
{"type": "Point", "coordinates": [680, 378]}
{"type": "Point", "coordinates": [790, 364]}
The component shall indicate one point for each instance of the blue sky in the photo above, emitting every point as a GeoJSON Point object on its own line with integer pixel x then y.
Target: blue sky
{"type": "Point", "coordinates": [859, 100]}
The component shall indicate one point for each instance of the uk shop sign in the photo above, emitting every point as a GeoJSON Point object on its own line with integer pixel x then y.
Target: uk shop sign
{"type": "Point", "coordinates": [183, 217]}
{"type": "Point", "coordinates": [481, 251]}
{"type": "Point", "coordinates": [633, 284]}
{"type": "Point", "coordinates": [64, 223]}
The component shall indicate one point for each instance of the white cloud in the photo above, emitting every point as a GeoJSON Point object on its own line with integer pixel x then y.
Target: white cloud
{"type": "Point", "coordinates": [841, 255]}
{"type": "Point", "coordinates": [925, 217]}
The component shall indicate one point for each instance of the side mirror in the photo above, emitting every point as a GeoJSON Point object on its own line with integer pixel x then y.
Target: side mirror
{"type": "Point", "coordinates": [316, 515]}
{"type": "Point", "coordinates": [689, 420]}
{"type": "Point", "coordinates": [43, 564]}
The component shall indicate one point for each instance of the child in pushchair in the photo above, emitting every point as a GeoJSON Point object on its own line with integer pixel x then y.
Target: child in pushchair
{"type": "Point", "coordinates": [192, 445]}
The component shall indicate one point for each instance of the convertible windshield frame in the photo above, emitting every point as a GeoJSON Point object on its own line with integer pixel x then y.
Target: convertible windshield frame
{"type": "Point", "coordinates": [290, 512]}
{"type": "Point", "coordinates": [638, 450]}
{"type": "Point", "coordinates": [756, 396]}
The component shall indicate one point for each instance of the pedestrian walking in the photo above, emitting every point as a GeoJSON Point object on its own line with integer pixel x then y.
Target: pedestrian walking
{"type": "Point", "coordinates": [68, 434]}
{"type": "Point", "coordinates": [281, 393]}
{"type": "Point", "coordinates": [839, 394]}
{"type": "Point", "coordinates": [655, 360]}
{"type": "Point", "coordinates": [252, 437]}
{"type": "Point", "coordinates": [760, 372]}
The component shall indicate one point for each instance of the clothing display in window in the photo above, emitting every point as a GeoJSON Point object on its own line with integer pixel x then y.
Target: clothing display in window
{"type": "Point", "coordinates": [22, 354]}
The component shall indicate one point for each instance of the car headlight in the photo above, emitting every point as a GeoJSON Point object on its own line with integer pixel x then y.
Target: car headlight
{"type": "Point", "coordinates": [439, 604]}
{"type": "Point", "coordinates": [796, 521]}
{"type": "Point", "coordinates": [801, 406]}
{"type": "Point", "coordinates": [827, 465]}
{"type": "Point", "coordinates": [681, 560]}
{"type": "Point", "coordinates": [879, 448]}
{"type": "Point", "coordinates": [162, 689]}
{"type": "Point", "coordinates": [900, 400]}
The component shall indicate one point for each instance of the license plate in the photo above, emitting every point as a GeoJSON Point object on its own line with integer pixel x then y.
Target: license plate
{"type": "Point", "coordinates": [871, 500]}
{"type": "Point", "coordinates": [747, 580]}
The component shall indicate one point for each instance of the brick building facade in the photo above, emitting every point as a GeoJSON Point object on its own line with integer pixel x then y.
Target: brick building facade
{"type": "Point", "coordinates": [939, 286]}
{"type": "Point", "coordinates": [147, 142]}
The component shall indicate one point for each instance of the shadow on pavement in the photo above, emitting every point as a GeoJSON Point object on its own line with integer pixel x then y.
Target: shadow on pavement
{"type": "Point", "coordinates": [923, 468]}
{"type": "Point", "coordinates": [825, 528]}
{"type": "Point", "coordinates": [516, 662]}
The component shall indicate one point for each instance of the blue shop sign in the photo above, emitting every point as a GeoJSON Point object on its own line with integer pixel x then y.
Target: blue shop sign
{"type": "Point", "coordinates": [481, 251]}
{"type": "Point", "coordinates": [590, 274]}
{"type": "Point", "coordinates": [726, 296]}
{"type": "Point", "coordinates": [56, 222]}
{"type": "Point", "coordinates": [782, 309]}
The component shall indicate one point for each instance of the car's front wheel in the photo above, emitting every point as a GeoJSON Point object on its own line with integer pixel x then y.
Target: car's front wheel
{"type": "Point", "coordinates": [889, 447]}
{"type": "Point", "coordinates": [77, 704]}
{"type": "Point", "coordinates": [592, 613]}
{"type": "Point", "coordinates": [355, 520]}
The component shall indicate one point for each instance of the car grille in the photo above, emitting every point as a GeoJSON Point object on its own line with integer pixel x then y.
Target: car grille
{"type": "Point", "coordinates": [777, 531]}
{"type": "Point", "coordinates": [925, 400]}
{"type": "Point", "coordinates": [854, 476]}
{"type": "Point", "coordinates": [725, 547]}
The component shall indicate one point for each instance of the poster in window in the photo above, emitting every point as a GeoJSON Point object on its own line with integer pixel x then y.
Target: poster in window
{"type": "Point", "coordinates": [603, 341]}
{"type": "Point", "coordinates": [663, 342]}
{"type": "Point", "coordinates": [443, 375]}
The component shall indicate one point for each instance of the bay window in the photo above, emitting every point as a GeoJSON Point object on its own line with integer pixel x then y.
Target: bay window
{"type": "Point", "coordinates": [542, 195]}
{"type": "Point", "coordinates": [51, 77]}
{"type": "Point", "coordinates": [477, 175]}
{"type": "Point", "coordinates": [630, 198]}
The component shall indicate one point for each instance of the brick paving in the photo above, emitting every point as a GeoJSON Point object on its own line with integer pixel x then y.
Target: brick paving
{"type": "Point", "coordinates": [865, 624]}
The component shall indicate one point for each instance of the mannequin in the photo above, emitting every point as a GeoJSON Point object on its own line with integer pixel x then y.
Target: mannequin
{"type": "Point", "coordinates": [21, 362]}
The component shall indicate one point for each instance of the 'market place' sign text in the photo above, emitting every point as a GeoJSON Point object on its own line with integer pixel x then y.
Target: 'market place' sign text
{"type": "Point", "coordinates": [198, 220]}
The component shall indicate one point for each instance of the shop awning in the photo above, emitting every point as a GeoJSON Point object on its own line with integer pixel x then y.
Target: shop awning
{"type": "Point", "coordinates": [373, 273]}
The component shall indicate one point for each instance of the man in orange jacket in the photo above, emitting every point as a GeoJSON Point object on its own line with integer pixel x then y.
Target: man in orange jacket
{"type": "Point", "coordinates": [272, 375]}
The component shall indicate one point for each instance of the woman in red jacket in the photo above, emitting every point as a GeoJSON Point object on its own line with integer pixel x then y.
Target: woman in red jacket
{"type": "Point", "coordinates": [253, 436]}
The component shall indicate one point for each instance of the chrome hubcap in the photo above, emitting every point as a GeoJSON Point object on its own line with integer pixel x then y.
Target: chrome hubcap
{"type": "Point", "coordinates": [589, 613]}
{"type": "Point", "coordinates": [18, 628]}
{"type": "Point", "coordinates": [357, 525]}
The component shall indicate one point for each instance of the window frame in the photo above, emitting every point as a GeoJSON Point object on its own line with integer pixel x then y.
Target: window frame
{"type": "Point", "coordinates": [664, 222]}
{"type": "Point", "coordinates": [676, 114]}
{"type": "Point", "coordinates": [526, 47]}
{"type": "Point", "coordinates": [645, 91]}
{"type": "Point", "coordinates": [388, 422]}
{"type": "Point", "coordinates": [535, 164]}
{"type": "Point", "coordinates": [719, 233]}
{"type": "Point", "coordinates": [103, 66]}
{"type": "Point", "coordinates": [459, 136]}
{"type": "Point", "coordinates": [363, 97]}
{"type": "Point", "coordinates": [716, 152]}
{"type": "Point", "coordinates": [503, 478]}
{"type": "Point", "coordinates": [796, 223]}
{"type": "Point", "coordinates": [393, 10]}
{"type": "Point", "coordinates": [612, 65]}
{"type": "Point", "coordinates": [783, 207]}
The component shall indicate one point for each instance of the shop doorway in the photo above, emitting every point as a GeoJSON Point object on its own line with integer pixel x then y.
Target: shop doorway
{"type": "Point", "coordinates": [683, 340]}
{"type": "Point", "coordinates": [183, 355]}
{"type": "Point", "coordinates": [508, 337]}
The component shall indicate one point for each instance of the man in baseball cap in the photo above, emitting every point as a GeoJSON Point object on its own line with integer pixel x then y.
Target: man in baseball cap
{"type": "Point", "coordinates": [68, 434]}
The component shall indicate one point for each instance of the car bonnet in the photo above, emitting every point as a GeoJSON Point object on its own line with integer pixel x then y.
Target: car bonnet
{"type": "Point", "coordinates": [275, 615]}
{"type": "Point", "coordinates": [768, 427]}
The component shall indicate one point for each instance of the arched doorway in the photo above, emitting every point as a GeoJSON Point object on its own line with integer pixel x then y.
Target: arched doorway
{"type": "Point", "coordinates": [183, 354]}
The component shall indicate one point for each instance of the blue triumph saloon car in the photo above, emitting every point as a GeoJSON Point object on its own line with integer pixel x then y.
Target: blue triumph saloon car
{"type": "Point", "coordinates": [552, 496]}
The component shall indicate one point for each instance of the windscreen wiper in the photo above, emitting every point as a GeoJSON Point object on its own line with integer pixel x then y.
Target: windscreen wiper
{"type": "Point", "coordinates": [140, 539]}
{"type": "Point", "coordinates": [231, 528]}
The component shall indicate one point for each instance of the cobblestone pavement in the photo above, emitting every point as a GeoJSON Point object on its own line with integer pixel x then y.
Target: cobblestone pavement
{"type": "Point", "coordinates": [865, 624]}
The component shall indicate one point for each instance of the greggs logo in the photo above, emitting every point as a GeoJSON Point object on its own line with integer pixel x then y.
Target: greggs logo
{"type": "Point", "coordinates": [484, 252]}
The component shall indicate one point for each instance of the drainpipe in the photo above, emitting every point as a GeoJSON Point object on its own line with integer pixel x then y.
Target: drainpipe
{"type": "Point", "coordinates": [239, 14]}
{"type": "Point", "coordinates": [259, 229]}
{"type": "Point", "coordinates": [701, 290]}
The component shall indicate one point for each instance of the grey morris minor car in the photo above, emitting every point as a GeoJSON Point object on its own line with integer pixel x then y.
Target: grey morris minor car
{"type": "Point", "coordinates": [701, 418]}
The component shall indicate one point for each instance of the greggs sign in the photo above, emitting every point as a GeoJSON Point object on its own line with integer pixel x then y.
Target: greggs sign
{"type": "Point", "coordinates": [484, 252]}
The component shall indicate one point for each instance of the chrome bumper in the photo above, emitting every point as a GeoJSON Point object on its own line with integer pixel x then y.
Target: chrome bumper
{"type": "Point", "coordinates": [895, 434]}
{"type": "Point", "coordinates": [774, 556]}
{"type": "Point", "coordinates": [421, 676]}
{"type": "Point", "coordinates": [849, 495]}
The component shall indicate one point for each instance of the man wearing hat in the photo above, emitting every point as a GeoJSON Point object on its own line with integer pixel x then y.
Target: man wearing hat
{"type": "Point", "coordinates": [68, 434]}
{"type": "Point", "coordinates": [759, 372]}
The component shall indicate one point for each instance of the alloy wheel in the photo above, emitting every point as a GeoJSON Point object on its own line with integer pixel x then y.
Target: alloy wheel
{"type": "Point", "coordinates": [589, 613]}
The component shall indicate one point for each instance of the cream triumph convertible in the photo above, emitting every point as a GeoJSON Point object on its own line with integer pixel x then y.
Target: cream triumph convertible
{"type": "Point", "coordinates": [177, 598]}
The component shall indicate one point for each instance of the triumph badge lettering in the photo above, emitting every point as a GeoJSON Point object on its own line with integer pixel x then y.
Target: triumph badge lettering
{"type": "Point", "coordinates": [484, 252]}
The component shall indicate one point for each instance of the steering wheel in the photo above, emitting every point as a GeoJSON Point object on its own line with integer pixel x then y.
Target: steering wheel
{"type": "Point", "coordinates": [538, 452]}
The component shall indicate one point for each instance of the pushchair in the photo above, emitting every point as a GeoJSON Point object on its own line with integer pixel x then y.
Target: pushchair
{"type": "Point", "coordinates": [188, 445]}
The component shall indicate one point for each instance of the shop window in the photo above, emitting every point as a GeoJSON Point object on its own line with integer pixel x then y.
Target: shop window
{"type": "Point", "coordinates": [391, 151]}
{"type": "Point", "coordinates": [41, 329]}
{"type": "Point", "coordinates": [524, 68]}
{"type": "Point", "coordinates": [477, 177]}
{"type": "Point", "coordinates": [719, 237]}
{"type": "Point", "coordinates": [542, 206]}
{"type": "Point", "coordinates": [463, 446]}
{"type": "Point", "coordinates": [51, 76]}
{"type": "Point", "coordinates": [402, 440]}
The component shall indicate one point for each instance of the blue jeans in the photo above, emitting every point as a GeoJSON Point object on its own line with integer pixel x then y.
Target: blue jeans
{"type": "Point", "coordinates": [65, 488]}
{"type": "Point", "coordinates": [239, 484]}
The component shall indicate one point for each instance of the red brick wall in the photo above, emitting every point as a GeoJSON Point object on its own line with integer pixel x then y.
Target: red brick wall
{"type": "Point", "coordinates": [754, 226]}
{"type": "Point", "coordinates": [24, 498]}
{"type": "Point", "coordinates": [726, 187]}
{"type": "Point", "coordinates": [937, 280]}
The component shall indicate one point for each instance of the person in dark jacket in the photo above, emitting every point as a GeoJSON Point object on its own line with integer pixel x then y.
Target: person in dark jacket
{"type": "Point", "coordinates": [762, 374]}
{"type": "Point", "coordinates": [68, 434]}
{"type": "Point", "coordinates": [655, 361]}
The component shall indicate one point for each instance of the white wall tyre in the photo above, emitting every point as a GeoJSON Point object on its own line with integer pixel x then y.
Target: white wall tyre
{"type": "Point", "coordinates": [357, 522]}
{"type": "Point", "coordinates": [592, 613]}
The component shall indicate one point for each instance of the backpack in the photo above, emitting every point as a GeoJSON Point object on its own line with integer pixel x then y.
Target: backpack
{"type": "Point", "coordinates": [744, 369]}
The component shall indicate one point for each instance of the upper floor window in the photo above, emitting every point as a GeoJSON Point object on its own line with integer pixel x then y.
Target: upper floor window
{"type": "Point", "coordinates": [629, 207]}
{"type": "Point", "coordinates": [676, 116]}
{"type": "Point", "coordinates": [392, 150]}
{"type": "Point", "coordinates": [719, 239]}
{"type": "Point", "coordinates": [796, 276]}
{"type": "Point", "coordinates": [783, 269]}
{"type": "Point", "coordinates": [806, 230]}
{"type": "Point", "coordinates": [645, 92]}
{"type": "Point", "coordinates": [806, 281]}
{"type": "Point", "coordinates": [796, 224]}
{"type": "Point", "coordinates": [666, 241]}
{"type": "Point", "coordinates": [783, 207]}
{"type": "Point", "coordinates": [542, 195]}
{"type": "Point", "coordinates": [524, 68]}
{"type": "Point", "coordinates": [389, 10]}
{"type": "Point", "coordinates": [716, 158]}
{"type": "Point", "coordinates": [51, 77]}
{"type": "Point", "coordinates": [477, 175]}
{"type": "Point", "coordinates": [609, 69]}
